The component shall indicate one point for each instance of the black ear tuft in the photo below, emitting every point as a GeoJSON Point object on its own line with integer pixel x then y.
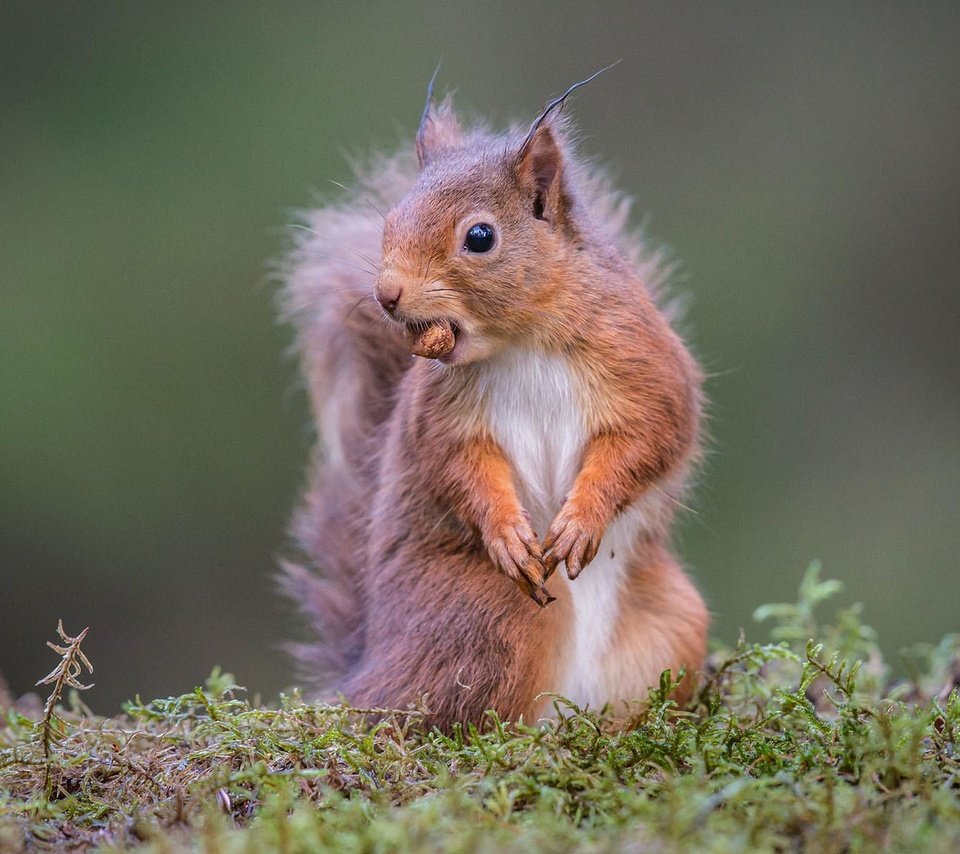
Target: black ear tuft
{"type": "Point", "coordinates": [539, 161]}
{"type": "Point", "coordinates": [439, 127]}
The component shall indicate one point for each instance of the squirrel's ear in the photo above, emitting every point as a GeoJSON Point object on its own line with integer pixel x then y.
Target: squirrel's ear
{"type": "Point", "coordinates": [439, 129]}
{"type": "Point", "coordinates": [540, 160]}
{"type": "Point", "coordinates": [540, 171]}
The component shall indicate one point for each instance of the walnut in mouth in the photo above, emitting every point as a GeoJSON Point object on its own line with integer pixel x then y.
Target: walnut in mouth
{"type": "Point", "coordinates": [431, 339]}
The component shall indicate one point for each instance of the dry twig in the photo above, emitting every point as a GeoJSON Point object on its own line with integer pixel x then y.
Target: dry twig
{"type": "Point", "coordinates": [65, 674]}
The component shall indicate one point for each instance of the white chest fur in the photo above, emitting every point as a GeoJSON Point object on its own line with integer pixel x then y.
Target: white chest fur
{"type": "Point", "coordinates": [537, 419]}
{"type": "Point", "coordinates": [536, 414]}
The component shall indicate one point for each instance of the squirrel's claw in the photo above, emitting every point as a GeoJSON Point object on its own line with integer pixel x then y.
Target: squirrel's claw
{"type": "Point", "coordinates": [518, 553]}
{"type": "Point", "coordinates": [536, 590]}
{"type": "Point", "coordinates": [572, 541]}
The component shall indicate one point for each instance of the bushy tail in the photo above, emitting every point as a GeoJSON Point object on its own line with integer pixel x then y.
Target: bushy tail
{"type": "Point", "coordinates": [352, 362]}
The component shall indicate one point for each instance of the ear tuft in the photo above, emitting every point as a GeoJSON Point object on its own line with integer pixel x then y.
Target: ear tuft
{"type": "Point", "coordinates": [439, 129]}
{"type": "Point", "coordinates": [539, 161]}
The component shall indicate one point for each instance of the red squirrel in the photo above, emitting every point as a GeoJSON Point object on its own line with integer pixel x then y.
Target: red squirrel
{"type": "Point", "coordinates": [551, 417]}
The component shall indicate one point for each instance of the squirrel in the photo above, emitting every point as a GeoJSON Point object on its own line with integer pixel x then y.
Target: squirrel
{"type": "Point", "coordinates": [498, 390]}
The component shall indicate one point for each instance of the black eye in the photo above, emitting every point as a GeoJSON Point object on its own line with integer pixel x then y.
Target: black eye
{"type": "Point", "coordinates": [480, 238]}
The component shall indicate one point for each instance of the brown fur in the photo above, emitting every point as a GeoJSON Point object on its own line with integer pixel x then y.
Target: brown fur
{"type": "Point", "coordinates": [431, 578]}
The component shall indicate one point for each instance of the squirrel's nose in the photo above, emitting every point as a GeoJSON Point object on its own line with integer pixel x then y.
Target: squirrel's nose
{"type": "Point", "coordinates": [389, 297]}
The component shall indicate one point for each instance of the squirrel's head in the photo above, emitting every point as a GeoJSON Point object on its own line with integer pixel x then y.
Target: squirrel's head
{"type": "Point", "coordinates": [479, 243]}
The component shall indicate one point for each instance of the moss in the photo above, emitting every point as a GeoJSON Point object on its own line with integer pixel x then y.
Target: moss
{"type": "Point", "coordinates": [795, 743]}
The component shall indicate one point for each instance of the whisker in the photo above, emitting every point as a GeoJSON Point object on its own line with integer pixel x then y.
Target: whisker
{"type": "Point", "coordinates": [374, 267]}
{"type": "Point", "coordinates": [363, 198]}
{"type": "Point", "coordinates": [366, 258]}
{"type": "Point", "coordinates": [352, 266]}
{"type": "Point", "coordinates": [355, 306]}
{"type": "Point", "coordinates": [442, 300]}
{"type": "Point", "coordinates": [346, 289]}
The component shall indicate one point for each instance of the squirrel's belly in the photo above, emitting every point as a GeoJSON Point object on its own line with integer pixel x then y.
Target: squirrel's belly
{"type": "Point", "coordinates": [537, 419]}
{"type": "Point", "coordinates": [595, 670]}
{"type": "Point", "coordinates": [595, 596]}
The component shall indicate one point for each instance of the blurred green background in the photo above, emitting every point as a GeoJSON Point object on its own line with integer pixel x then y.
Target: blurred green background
{"type": "Point", "coordinates": [802, 160]}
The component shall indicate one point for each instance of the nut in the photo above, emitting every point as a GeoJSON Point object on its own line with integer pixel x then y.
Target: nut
{"type": "Point", "coordinates": [433, 342]}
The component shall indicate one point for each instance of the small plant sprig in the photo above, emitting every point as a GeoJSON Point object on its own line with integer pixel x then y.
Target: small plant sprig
{"type": "Point", "coordinates": [65, 674]}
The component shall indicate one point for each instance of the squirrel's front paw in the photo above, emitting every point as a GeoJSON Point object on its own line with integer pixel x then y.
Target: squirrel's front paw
{"type": "Point", "coordinates": [515, 550]}
{"type": "Point", "coordinates": [573, 537]}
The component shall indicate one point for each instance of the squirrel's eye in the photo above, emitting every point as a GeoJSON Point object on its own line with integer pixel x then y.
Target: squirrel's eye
{"type": "Point", "coordinates": [480, 238]}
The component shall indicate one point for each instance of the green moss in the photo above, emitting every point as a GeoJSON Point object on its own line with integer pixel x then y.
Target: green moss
{"type": "Point", "coordinates": [794, 743]}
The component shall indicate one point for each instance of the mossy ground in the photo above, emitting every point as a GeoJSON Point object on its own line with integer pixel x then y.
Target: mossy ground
{"type": "Point", "coordinates": [796, 744]}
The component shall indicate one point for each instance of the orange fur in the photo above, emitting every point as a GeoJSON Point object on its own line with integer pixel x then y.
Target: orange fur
{"type": "Point", "coordinates": [422, 509]}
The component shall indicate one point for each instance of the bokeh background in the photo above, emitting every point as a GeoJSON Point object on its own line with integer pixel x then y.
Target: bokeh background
{"type": "Point", "coordinates": [802, 160]}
